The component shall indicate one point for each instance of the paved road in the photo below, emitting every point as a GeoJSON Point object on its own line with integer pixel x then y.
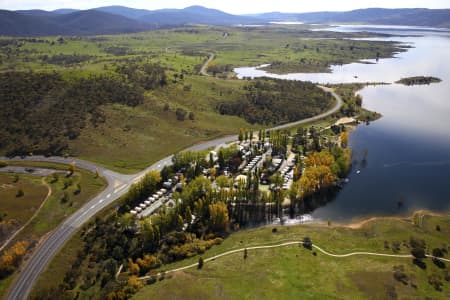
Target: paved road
{"type": "Point", "coordinates": [118, 184]}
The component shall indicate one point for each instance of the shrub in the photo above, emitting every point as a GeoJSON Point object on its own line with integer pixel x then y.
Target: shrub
{"type": "Point", "coordinates": [418, 252]}
{"type": "Point", "coordinates": [20, 193]}
{"type": "Point", "coordinates": [399, 274]}
{"type": "Point", "coordinates": [181, 114]}
{"type": "Point", "coordinates": [200, 263]}
{"type": "Point", "coordinates": [65, 198]}
{"type": "Point", "coordinates": [436, 281]}
{"type": "Point", "coordinates": [307, 243]}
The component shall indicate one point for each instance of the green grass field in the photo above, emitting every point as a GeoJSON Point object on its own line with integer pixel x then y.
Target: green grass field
{"type": "Point", "coordinates": [294, 272]}
{"type": "Point", "coordinates": [20, 208]}
{"type": "Point", "coordinates": [55, 209]}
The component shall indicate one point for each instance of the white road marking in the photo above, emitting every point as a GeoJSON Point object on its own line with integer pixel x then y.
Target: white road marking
{"type": "Point", "coordinates": [101, 201]}
{"type": "Point", "coordinates": [93, 206]}
{"type": "Point", "coordinates": [109, 195]}
{"type": "Point", "coordinates": [159, 166]}
{"type": "Point", "coordinates": [119, 189]}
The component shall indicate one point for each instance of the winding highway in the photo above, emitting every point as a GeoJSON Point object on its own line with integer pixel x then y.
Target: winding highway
{"type": "Point", "coordinates": [118, 184]}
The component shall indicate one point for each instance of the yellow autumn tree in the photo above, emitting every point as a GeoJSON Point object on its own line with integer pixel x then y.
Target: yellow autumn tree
{"type": "Point", "coordinates": [320, 173]}
{"type": "Point", "coordinates": [19, 249]}
{"type": "Point", "coordinates": [344, 139]}
{"type": "Point", "coordinates": [218, 213]}
{"type": "Point", "coordinates": [133, 268]}
{"type": "Point", "coordinates": [6, 263]}
{"type": "Point", "coordinates": [11, 258]}
{"type": "Point", "coordinates": [134, 282]}
{"type": "Point", "coordinates": [323, 158]}
{"type": "Point", "coordinates": [71, 167]}
{"type": "Point", "coordinates": [147, 262]}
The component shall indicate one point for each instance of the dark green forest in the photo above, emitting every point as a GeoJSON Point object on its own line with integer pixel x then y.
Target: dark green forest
{"type": "Point", "coordinates": [270, 101]}
{"type": "Point", "coordinates": [41, 112]}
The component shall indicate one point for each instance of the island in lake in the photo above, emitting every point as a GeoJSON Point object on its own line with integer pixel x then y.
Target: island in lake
{"type": "Point", "coordinates": [418, 80]}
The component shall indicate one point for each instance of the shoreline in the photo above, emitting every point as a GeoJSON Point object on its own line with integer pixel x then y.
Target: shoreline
{"type": "Point", "coordinates": [357, 224]}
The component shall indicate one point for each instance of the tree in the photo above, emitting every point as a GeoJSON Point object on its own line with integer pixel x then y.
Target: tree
{"type": "Point", "coordinates": [55, 177]}
{"type": "Point", "coordinates": [241, 135]}
{"type": "Point", "coordinates": [110, 266]}
{"type": "Point", "coordinates": [117, 252]}
{"type": "Point", "coordinates": [218, 213]}
{"type": "Point", "coordinates": [307, 243]}
{"type": "Point", "coordinates": [211, 159]}
{"type": "Point", "coordinates": [147, 263]}
{"type": "Point", "coordinates": [277, 180]}
{"type": "Point", "coordinates": [212, 173]}
{"type": "Point", "coordinates": [20, 193]}
{"type": "Point", "coordinates": [418, 253]}
{"type": "Point", "coordinates": [221, 159]}
{"type": "Point", "coordinates": [188, 216]}
{"type": "Point", "coordinates": [6, 264]}
{"type": "Point", "coordinates": [65, 198]}
{"type": "Point", "coordinates": [77, 190]}
{"type": "Point", "coordinates": [344, 139]}
{"type": "Point", "coordinates": [223, 182]}
{"type": "Point", "coordinates": [437, 253]}
{"type": "Point", "coordinates": [135, 283]}
{"type": "Point", "coordinates": [150, 182]}
{"type": "Point", "coordinates": [200, 263]}
{"type": "Point", "coordinates": [181, 114]}
{"type": "Point", "coordinates": [133, 267]}
{"type": "Point", "coordinates": [71, 168]}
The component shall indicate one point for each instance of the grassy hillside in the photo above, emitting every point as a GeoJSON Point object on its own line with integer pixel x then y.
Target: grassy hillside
{"type": "Point", "coordinates": [128, 135]}
{"type": "Point", "coordinates": [295, 272]}
{"type": "Point", "coordinates": [15, 208]}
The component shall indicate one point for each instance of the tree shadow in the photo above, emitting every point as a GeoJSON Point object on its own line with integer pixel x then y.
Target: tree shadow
{"type": "Point", "coordinates": [421, 264]}
{"type": "Point", "coordinates": [439, 263]}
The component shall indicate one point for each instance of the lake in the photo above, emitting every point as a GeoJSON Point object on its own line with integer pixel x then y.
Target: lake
{"type": "Point", "coordinates": [402, 161]}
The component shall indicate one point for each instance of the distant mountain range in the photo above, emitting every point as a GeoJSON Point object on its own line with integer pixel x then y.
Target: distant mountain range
{"type": "Point", "coordinates": [120, 19]}
{"type": "Point", "coordinates": [378, 16]}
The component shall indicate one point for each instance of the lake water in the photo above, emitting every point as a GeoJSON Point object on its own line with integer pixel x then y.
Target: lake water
{"type": "Point", "coordinates": [405, 156]}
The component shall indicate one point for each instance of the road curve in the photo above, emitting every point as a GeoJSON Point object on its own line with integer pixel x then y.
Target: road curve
{"type": "Point", "coordinates": [290, 244]}
{"type": "Point", "coordinates": [118, 185]}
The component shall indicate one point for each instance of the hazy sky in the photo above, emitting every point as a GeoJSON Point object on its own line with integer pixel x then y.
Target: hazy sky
{"type": "Point", "coordinates": [231, 6]}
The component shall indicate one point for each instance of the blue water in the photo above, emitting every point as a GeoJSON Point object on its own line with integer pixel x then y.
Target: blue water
{"type": "Point", "coordinates": [405, 156]}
